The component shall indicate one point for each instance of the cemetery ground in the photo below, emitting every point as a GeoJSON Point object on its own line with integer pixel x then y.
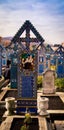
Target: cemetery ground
{"type": "Point", "coordinates": [53, 121]}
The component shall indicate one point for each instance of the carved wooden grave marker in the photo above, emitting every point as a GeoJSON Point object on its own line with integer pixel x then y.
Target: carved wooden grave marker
{"type": "Point", "coordinates": [27, 68]}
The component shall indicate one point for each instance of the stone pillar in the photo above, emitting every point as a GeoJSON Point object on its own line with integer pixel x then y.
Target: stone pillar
{"type": "Point", "coordinates": [10, 105]}
{"type": "Point", "coordinates": [43, 106]}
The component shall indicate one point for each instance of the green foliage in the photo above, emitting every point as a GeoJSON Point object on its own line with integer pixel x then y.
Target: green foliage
{"type": "Point", "coordinates": [24, 127]}
{"type": "Point", "coordinates": [27, 119]}
{"type": "Point", "coordinates": [59, 83]}
{"type": "Point", "coordinates": [27, 122]}
{"type": "Point", "coordinates": [39, 81]}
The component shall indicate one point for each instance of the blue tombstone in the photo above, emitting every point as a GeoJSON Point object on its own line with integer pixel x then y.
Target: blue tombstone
{"type": "Point", "coordinates": [60, 71]}
{"type": "Point", "coordinates": [4, 59]}
{"type": "Point", "coordinates": [60, 63]}
{"type": "Point", "coordinates": [26, 70]}
{"type": "Point", "coordinates": [13, 71]}
{"type": "Point", "coordinates": [53, 62]}
{"type": "Point", "coordinates": [41, 68]}
{"type": "Point", "coordinates": [27, 87]}
{"type": "Point", "coordinates": [1, 57]}
{"type": "Point", "coordinates": [60, 68]}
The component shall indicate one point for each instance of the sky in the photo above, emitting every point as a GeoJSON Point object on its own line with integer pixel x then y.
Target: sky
{"type": "Point", "coordinates": [47, 16]}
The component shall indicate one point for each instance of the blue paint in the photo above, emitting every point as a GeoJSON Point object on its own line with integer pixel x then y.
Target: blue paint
{"type": "Point", "coordinates": [27, 86]}
{"type": "Point", "coordinates": [13, 75]}
{"type": "Point", "coordinates": [60, 71]}
{"type": "Point", "coordinates": [23, 110]}
{"type": "Point", "coordinates": [41, 68]}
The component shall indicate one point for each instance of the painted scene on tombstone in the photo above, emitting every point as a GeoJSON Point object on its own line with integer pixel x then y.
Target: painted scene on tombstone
{"type": "Point", "coordinates": [27, 61]}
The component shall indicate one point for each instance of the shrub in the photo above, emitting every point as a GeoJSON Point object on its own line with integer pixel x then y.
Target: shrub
{"type": "Point", "coordinates": [39, 81]}
{"type": "Point", "coordinates": [27, 122]}
{"type": "Point", "coordinates": [59, 83]}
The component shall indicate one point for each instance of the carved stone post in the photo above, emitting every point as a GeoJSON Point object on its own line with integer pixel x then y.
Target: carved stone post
{"type": "Point", "coordinates": [10, 105]}
{"type": "Point", "coordinates": [43, 106]}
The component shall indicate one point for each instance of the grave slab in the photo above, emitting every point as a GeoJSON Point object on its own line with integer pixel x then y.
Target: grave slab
{"type": "Point", "coordinates": [48, 82]}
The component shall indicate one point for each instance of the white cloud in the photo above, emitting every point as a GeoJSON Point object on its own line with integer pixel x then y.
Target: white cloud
{"type": "Point", "coordinates": [44, 16]}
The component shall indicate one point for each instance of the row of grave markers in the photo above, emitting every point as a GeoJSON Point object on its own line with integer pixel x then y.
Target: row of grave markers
{"type": "Point", "coordinates": [3, 58]}
{"type": "Point", "coordinates": [56, 63]}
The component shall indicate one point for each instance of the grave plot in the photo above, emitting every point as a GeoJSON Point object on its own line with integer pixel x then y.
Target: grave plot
{"type": "Point", "coordinates": [18, 122]}
{"type": "Point", "coordinates": [55, 103]}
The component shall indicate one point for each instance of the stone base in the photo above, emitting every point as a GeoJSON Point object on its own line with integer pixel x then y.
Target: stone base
{"type": "Point", "coordinates": [59, 125]}
{"type": "Point", "coordinates": [49, 91]}
{"type": "Point", "coordinates": [29, 104]}
{"type": "Point", "coordinates": [9, 113]}
{"type": "Point", "coordinates": [43, 113]}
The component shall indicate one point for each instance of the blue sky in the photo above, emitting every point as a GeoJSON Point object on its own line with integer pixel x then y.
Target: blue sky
{"type": "Point", "coordinates": [46, 15]}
